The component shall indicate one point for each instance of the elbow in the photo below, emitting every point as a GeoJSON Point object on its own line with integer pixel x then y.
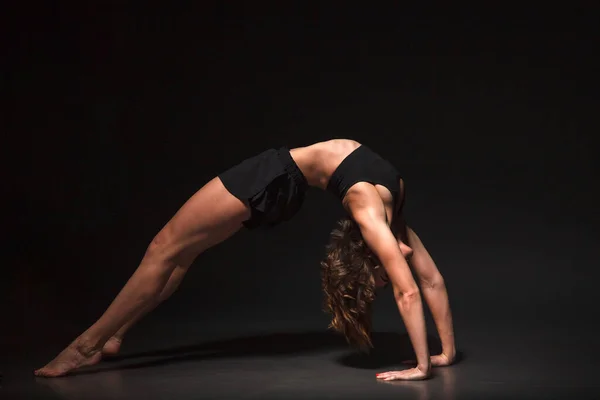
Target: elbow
{"type": "Point", "coordinates": [408, 296]}
{"type": "Point", "coordinates": [433, 283]}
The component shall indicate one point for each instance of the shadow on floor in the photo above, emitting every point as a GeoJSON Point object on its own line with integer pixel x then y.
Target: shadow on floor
{"type": "Point", "coordinates": [109, 380]}
{"type": "Point", "coordinates": [269, 344]}
{"type": "Point", "coordinates": [389, 349]}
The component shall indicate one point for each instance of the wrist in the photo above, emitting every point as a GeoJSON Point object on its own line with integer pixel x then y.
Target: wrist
{"type": "Point", "coordinates": [449, 352]}
{"type": "Point", "coordinates": [424, 368]}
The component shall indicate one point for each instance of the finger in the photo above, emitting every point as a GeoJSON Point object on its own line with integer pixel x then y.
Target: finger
{"type": "Point", "coordinates": [393, 376]}
{"type": "Point", "coordinates": [402, 378]}
{"type": "Point", "coordinates": [406, 375]}
{"type": "Point", "coordinates": [399, 377]}
{"type": "Point", "coordinates": [385, 375]}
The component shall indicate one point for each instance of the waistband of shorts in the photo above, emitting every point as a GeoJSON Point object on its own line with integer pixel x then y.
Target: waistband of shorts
{"type": "Point", "coordinates": [292, 168]}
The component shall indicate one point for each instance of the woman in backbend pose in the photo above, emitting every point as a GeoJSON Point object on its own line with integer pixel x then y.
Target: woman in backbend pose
{"type": "Point", "coordinates": [367, 250]}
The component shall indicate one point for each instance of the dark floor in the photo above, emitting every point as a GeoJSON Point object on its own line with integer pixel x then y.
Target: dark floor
{"type": "Point", "coordinates": [523, 361]}
{"type": "Point", "coordinates": [489, 117]}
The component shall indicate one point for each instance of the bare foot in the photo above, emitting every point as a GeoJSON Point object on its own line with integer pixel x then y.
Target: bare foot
{"type": "Point", "coordinates": [111, 348]}
{"type": "Point", "coordinates": [69, 359]}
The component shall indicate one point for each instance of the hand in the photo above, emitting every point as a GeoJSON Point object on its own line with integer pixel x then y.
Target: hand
{"type": "Point", "coordinates": [412, 374]}
{"type": "Point", "coordinates": [440, 360]}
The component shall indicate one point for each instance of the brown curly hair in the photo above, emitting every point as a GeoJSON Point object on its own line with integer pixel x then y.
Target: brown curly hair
{"type": "Point", "coordinates": [349, 284]}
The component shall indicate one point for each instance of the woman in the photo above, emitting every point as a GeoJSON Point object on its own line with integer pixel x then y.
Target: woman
{"type": "Point", "coordinates": [367, 251]}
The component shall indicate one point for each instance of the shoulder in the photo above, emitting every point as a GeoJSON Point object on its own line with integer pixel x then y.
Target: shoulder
{"type": "Point", "coordinates": [364, 203]}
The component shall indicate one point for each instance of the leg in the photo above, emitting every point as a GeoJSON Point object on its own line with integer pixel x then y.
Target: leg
{"type": "Point", "coordinates": [435, 294]}
{"type": "Point", "coordinates": [112, 346]}
{"type": "Point", "coordinates": [206, 219]}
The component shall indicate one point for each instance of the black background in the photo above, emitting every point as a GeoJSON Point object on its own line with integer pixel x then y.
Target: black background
{"type": "Point", "coordinates": [117, 114]}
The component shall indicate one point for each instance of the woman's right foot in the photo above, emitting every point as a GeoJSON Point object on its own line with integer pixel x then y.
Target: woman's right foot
{"type": "Point", "coordinates": [76, 355]}
{"type": "Point", "coordinates": [112, 346]}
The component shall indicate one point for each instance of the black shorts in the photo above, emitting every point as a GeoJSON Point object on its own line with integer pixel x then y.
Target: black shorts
{"type": "Point", "coordinates": [270, 183]}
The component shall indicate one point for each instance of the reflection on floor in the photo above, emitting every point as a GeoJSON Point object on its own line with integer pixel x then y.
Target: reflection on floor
{"type": "Point", "coordinates": [494, 363]}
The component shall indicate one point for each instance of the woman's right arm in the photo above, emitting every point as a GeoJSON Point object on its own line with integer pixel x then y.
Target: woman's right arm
{"type": "Point", "coordinates": [370, 217]}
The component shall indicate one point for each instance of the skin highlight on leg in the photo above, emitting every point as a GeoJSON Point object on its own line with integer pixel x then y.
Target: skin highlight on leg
{"type": "Point", "coordinates": [206, 219]}
{"type": "Point", "coordinates": [146, 282]}
{"type": "Point", "coordinates": [113, 345]}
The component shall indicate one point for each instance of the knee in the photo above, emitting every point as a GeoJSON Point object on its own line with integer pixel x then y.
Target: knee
{"type": "Point", "coordinates": [160, 245]}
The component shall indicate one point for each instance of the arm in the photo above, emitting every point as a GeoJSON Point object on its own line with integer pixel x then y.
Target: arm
{"type": "Point", "coordinates": [435, 294]}
{"type": "Point", "coordinates": [382, 242]}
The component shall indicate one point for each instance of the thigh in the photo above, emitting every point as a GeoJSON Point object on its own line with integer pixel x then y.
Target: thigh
{"type": "Point", "coordinates": [210, 216]}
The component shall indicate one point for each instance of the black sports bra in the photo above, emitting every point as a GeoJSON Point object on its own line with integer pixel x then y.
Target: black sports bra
{"type": "Point", "coordinates": [364, 165]}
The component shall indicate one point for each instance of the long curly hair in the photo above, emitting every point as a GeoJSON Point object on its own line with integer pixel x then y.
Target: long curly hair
{"type": "Point", "coordinates": [349, 283]}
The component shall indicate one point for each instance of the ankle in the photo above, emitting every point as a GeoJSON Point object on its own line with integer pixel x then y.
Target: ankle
{"type": "Point", "coordinates": [117, 338]}
{"type": "Point", "coordinates": [87, 345]}
{"type": "Point", "coordinates": [450, 354]}
{"type": "Point", "coordinates": [426, 369]}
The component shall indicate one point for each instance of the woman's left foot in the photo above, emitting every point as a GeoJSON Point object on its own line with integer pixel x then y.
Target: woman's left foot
{"type": "Point", "coordinates": [112, 346]}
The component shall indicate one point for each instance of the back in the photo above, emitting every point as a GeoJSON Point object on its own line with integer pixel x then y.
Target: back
{"type": "Point", "coordinates": [341, 165]}
{"type": "Point", "coordinates": [319, 161]}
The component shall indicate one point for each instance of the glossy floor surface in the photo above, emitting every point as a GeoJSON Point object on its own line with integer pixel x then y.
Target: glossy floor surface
{"type": "Point", "coordinates": [120, 113]}
{"type": "Point", "coordinates": [523, 361]}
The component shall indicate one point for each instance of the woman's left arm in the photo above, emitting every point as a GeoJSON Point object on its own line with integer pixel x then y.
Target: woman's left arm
{"type": "Point", "coordinates": [435, 294]}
